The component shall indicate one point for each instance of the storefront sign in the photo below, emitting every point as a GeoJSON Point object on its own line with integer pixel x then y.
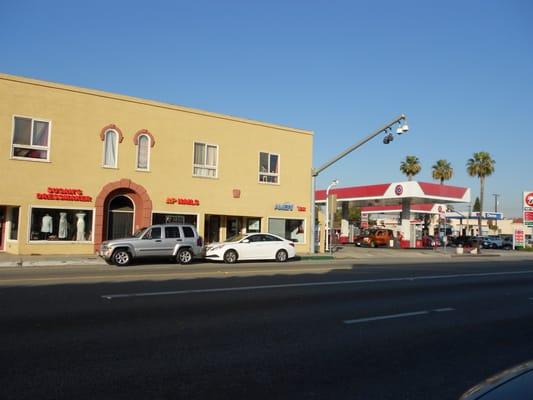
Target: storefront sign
{"type": "Point", "coordinates": [284, 207]}
{"type": "Point", "coordinates": [183, 202]}
{"type": "Point", "coordinates": [301, 209]}
{"type": "Point", "coordinates": [54, 193]}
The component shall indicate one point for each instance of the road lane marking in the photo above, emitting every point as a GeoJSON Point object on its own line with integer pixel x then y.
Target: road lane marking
{"type": "Point", "coordinates": [311, 284]}
{"type": "Point", "coordinates": [394, 316]}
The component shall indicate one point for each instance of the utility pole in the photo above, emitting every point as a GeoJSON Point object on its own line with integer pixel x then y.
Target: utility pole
{"type": "Point", "coordinates": [496, 208]}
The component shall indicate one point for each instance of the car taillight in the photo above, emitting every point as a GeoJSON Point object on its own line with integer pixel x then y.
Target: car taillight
{"type": "Point", "coordinates": [199, 241]}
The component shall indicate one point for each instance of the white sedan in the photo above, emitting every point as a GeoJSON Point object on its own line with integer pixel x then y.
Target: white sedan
{"type": "Point", "coordinates": [252, 246]}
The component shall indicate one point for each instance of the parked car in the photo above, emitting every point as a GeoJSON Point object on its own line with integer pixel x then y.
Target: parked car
{"type": "Point", "coordinates": [465, 241]}
{"type": "Point", "coordinates": [512, 384]}
{"type": "Point", "coordinates": [507, 243]}
{"type": "Point", "coordinates": [375, 238]}
{"type": "Point", "coordinates": [179, 241]}
{"type": "Point", "coordinates": [430, 241]}
{"type": "Point", "coordinates": [492, 242]}
{"type": "Point", "coordinates": [252, 246]}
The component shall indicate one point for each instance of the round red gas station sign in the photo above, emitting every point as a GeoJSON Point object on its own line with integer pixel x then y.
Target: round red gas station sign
{"type": "Point", "coordinates": [398, 190]}
{"type": "Point", "coordinates": [528, 199]}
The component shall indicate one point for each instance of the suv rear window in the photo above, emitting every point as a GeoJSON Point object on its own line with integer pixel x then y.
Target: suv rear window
{"type": "Point", "coordinates": [172, 232]}
{"type": "Point", "coordinates": [188, 232]}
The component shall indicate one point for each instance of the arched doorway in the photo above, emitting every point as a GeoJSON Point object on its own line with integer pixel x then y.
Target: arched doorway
{"type": "Point", "coordinates": [122, 201]}
{"type": "Point", "coordinates": [121, 211]}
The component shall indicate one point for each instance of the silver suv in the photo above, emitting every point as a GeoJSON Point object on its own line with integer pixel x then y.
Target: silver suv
{"type": "Point", "coordinates": [178, 241]}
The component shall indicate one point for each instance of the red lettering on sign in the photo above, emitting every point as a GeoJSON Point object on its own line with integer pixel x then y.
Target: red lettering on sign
{"type": "Point", "coordinates": [183, 202]}
{"type": "Point", "coordinates": [63, 194]}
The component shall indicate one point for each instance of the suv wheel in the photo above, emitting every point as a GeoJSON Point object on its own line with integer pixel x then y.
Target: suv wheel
{"type": "Point", "coordinates": [121, 257]}
{"type": "Point", "coordinates": [281, 256]}
{"type": "Point", "coordinates": [184, 256]}
{"type": "Point", "coordinates": [230, 257]}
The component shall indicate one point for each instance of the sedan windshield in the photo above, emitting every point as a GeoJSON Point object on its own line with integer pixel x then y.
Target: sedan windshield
{"type": "Point", "coordinates": [235, 238]}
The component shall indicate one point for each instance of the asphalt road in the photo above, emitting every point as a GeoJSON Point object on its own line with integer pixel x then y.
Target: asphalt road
{"type": "Point", "coordinates": [262, 331]}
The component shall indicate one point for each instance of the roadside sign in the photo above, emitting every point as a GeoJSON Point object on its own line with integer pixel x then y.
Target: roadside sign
{"type": "Point", "coordinates": [519, 238]}
{"type": "Point", "coordinates": [527, 205]}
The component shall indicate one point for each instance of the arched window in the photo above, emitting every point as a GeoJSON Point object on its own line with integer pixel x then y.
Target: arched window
{"type": "Point", "coordinates": [143, 152]}
{"type": "Point", "coordinates": [110, 149]}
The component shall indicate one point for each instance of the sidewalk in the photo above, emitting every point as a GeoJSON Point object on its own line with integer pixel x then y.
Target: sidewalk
{"type": "Point", "coordinates": [344, 253]}
{"type": "Point", "coordinates": [14, 260]}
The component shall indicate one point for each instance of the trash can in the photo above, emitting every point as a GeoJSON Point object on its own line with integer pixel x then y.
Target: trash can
{"type": "Point", "coordinates": [459, 249]}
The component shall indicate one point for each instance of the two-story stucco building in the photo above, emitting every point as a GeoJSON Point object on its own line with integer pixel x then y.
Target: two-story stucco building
{"type": "Point", "coordinates": [81, 166]}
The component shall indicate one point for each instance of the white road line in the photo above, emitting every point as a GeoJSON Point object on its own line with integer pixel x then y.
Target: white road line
{"type": "Point", "coordinates": [393, 316]}
{"type": "Point", "coordinates": [312, 284]}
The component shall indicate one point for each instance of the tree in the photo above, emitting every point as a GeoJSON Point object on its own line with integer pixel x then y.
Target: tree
{"type": "Point", "coordinates": [477, 205]}
{"type": "Point", "coordinates": [480, 165]}
{"type": "Point", "coordinates": [442, 170]}
{"type": "Point", "coordinates": [410, 167]}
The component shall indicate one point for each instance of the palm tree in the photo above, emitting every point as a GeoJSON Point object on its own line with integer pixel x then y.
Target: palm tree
{"type": "Point", "coordinates": [480, 165]}
{"type": "Point", "coordinates": [442, 170]}
{"type": "Point", "coordinates": [410, 167]}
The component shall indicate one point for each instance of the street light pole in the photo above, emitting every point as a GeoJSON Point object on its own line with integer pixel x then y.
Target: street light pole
{"type": "Point", "coordinates": [328, 229]}
{"type": "Point", "coordinates": [386, 129]}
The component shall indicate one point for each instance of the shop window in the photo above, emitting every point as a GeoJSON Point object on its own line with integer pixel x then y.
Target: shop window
{"type": "Point", "coordinates": [268, 168]}
{"type": "Point", "coordinates": [56, 224]}
{"type": "Point", "coordinates": [143, 152]}
{"type": "Point", "coordinates": [162, 218]}
{"type": "Point", "coordinates": [290, 229]}
{"type": "Point", "coordinates": [14, 220]}
{"type": "Point", "coordinates": [110, 149]}
{"type": "Point", "coordinates": [31, 138]}
{"type": "Point", "coordinates": [205, 160]}
{"type": "Point", "coordinates": [253, 225]}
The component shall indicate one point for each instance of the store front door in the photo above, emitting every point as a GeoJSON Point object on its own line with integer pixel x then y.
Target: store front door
{"type": "Point", "coordinates": [212, 228]}
{"type": "Point", "coordinates": [2, 227]}
{"type": "Point", "coordinates": [234, 226]}
{"type": "Point", "coordinates": [120, 218]}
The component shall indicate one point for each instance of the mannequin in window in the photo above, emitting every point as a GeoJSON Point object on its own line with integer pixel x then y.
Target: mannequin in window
{"type": "Point", "coordinates": [63, 225]}
{"type": "Point", "coordinates": [46, 225]}
{"type": "Point", "coordinates": [80, 226]}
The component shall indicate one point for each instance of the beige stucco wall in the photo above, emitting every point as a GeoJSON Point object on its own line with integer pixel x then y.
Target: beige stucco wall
{"type": "Point", "coordinates": [76, 151]}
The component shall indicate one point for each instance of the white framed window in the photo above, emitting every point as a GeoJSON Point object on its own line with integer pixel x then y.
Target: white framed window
{"type": "Point", "coordinates": [205, 160]}
{"type": "Point", "coordinates": [31, 139]}
{"type": "Point", "coordinates": [290, 229]}
{"type": "Point", "coordinates": [110, 149]}
{"type": "Point", "coordinates": [268, 167]}
{"type": "Point", "coordinates": [143, 152]}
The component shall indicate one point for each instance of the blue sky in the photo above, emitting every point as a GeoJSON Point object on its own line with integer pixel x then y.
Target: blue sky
{"type": "Point", "coordinates": [462, 71]}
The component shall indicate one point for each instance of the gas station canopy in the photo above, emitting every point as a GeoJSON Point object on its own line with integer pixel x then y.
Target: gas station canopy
{"type": "Point", "coordinates": [398, 194]}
